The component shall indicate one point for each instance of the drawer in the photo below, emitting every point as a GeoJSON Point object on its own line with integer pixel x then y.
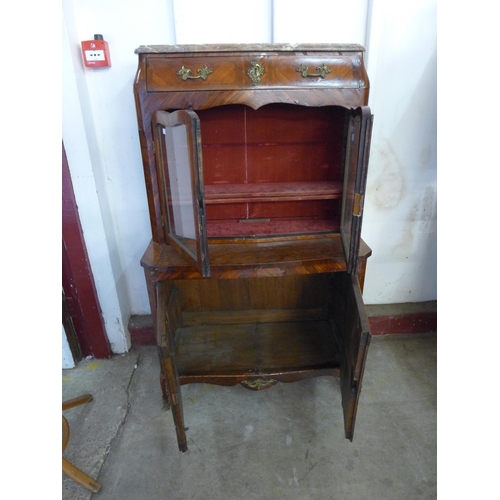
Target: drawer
{"type": "Point", "coordinates": [187, 73]}
{"type": "Point", "coordinates": [193, 73]}
{"type": "Point", "coordinates": [317, 71]}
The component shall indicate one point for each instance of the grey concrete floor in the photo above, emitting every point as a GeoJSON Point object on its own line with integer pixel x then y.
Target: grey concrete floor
{"type": "Point", "coordinates": [284, 443]}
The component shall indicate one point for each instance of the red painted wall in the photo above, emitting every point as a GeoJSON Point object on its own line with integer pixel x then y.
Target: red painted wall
{"type": "Point", "coordinates": [78, 281]}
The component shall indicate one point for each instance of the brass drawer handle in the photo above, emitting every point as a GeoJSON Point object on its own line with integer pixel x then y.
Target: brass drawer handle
{"type": "Point", "coordinates": [322, 71]}
{"type": "Point", "coordinates": [203, 72]}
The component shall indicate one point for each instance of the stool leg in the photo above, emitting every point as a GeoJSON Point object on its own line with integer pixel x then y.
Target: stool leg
{"type": "Point", "coordinates": [80, 400]}
{"type": "Point", "coordinates": [67, 467]}
{"type": "Point", "coordinates": [79, 477]}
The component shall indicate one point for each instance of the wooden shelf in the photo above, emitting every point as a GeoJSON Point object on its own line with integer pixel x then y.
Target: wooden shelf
{"type": "Point", "coordinates": [231, 259]}
{"type": "Point", "coordinates": [271, 227]}
{"type": "Point", "coordinates": [272, 191]}
{"type": "Point", "coordinates": [255, 349]}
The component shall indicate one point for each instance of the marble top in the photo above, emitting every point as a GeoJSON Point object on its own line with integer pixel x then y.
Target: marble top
{"type": "Point", "coordinates": [251, 47]}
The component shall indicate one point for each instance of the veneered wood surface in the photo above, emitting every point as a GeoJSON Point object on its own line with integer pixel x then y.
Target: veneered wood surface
{"type": "Point", "coordinates": [230, 71]}
{"type": "Point", "coordinates": [264, 258]}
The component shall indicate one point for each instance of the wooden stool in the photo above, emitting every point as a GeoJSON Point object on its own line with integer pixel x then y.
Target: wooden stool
{"type": "Point", "coordinates": [68, 468]}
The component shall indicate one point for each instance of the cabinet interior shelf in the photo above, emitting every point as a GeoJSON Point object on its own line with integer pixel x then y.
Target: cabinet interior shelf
{"type": "Point", "coordinates": [272, 191]}
{"type": "Point", "coordinates": [251, 349]}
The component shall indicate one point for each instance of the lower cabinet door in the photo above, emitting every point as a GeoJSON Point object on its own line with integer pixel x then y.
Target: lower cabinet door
{"type": "Point", "coordinates": [350, 322]}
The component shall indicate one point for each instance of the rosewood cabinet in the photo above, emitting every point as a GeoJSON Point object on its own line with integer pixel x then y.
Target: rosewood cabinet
{"type": "Point", "coordinates": [255, 161]}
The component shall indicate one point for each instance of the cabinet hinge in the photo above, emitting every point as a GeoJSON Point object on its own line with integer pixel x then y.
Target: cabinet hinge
{"type": "Point", "coordinates": [357, 209]}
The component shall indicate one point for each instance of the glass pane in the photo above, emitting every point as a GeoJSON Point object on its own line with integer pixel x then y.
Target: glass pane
{"type": "Point", "coordinates": [179, 185]}
{"type": "Point", "coordinates": [178, 155]}
{"type": "Point", "coordinates": [349, 187]}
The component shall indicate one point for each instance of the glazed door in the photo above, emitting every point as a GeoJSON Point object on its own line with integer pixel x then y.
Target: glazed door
{"type": "Point", "coordinates": [178, 154]}
{"type": "Point", "coordinates": [353, 336]}
{"type": "Point", "coordinates": [355, 170]}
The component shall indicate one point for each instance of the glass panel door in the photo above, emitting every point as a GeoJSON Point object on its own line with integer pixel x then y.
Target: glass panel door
{"type": "Point", "coordinates": [178, 153]}
{"type": "Point", "coordinates": [355, 171]}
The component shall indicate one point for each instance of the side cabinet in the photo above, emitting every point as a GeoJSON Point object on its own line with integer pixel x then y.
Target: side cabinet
{"type": "Point", "coordinates": [255, 161]}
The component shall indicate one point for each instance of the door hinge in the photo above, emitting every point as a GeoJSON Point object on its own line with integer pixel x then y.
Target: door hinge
{"type": "Point", "coordinates": [357, 209]}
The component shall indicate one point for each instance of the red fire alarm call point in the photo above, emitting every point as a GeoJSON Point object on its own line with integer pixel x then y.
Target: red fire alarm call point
{"type": "Point", "coordinates": [96, 53]}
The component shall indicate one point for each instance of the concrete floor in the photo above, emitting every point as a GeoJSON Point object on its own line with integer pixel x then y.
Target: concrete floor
{"type": "Point", "coordinates": [285, 443]}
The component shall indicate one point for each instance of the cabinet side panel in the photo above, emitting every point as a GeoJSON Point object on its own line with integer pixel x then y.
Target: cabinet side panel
{"type": "Point", "coordinates": [144, 116]}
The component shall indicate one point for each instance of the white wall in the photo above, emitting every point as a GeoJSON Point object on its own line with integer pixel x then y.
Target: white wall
{"type": "Point", "coordinates": [100, 136]}
{"type": "Point", "coordinates": [100, 131]}
{"type": "Point", "coordinates": [400, 207]}
{"type": "Point", "coordinates": [67, 355]}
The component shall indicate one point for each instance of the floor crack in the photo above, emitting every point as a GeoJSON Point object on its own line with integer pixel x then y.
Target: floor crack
{"type": "Point", "coordinates": [124, 419]}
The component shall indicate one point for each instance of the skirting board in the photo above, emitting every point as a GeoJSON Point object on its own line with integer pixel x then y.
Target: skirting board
{"type": "Point", "coordinates": [385, 319]}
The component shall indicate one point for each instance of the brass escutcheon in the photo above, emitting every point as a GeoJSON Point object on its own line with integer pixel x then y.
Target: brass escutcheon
{"type": "Point", "coordinates": [259, 383]}
{"type": "Point", "coordinates": [203, 72]}
{"type": "Point", "coordinates": [322, 71]}
{"type": "Point", "coordinates": [255, 72]}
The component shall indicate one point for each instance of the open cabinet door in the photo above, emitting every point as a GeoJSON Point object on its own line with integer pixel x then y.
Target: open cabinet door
{"type": "Point", "coordinates": [353, 336]}
{"type": "Point", "coordinates": [355, 170]}
{"type": "Point", "coordinates": [177, 139]}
